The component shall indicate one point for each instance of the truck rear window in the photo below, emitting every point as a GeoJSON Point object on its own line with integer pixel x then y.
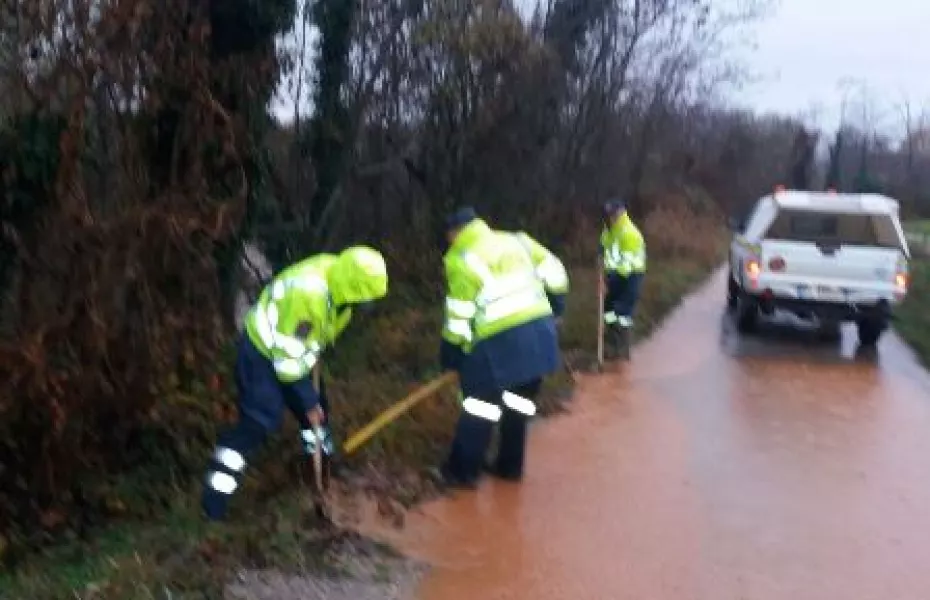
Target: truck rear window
{"type": "Point", "coordinates": [834, 228]}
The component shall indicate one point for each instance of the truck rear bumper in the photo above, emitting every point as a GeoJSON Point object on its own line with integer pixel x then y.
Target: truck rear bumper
{"type": "Point", "coordinates": [825, 311]}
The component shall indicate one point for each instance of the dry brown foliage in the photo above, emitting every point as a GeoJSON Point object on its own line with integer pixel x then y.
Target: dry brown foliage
{"type": "Point", "coordinates": [675, 232]}
{"type": "Point", "coordinates": [138, 130]}
{"type": "Point", "coordinates": [118, 305]}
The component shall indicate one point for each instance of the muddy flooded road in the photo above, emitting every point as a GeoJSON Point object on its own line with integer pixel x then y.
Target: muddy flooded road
{"type": "Point", "coordinates": [713, 467]}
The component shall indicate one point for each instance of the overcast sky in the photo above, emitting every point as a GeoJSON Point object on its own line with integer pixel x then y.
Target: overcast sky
{"type": "Point", "coordinates": [808, 52]}
{"type": "Point", "coordinates": [806, 48]}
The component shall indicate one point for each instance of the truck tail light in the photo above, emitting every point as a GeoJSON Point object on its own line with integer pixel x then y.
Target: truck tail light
{"type": "Point", "coordinates": [901, 281]}
{"type": "Point", "coordinates": [777, 264]}
{"type": "Point", "coordinates": [753, 270]}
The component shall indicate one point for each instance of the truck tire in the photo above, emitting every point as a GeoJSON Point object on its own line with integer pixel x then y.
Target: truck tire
{"type": "Point", "coordinates": [831, 331]}
{"type": "Point", "coordinates": [869, 331]}
{"type": "Point", "coordinates": [747, 314]}
{"type": "Point", "coordinates": [732, 292]}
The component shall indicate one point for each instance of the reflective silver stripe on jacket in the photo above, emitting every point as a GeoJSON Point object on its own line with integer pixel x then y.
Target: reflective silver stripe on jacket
{"type": "Point", "coordinates": [615, 259]}
{"type": "Point", "coordinates": [300, 356]}
{"type": "Point", "coordinates": [550, 271]}
{"type": "Point", "coordinates": [499, 297]}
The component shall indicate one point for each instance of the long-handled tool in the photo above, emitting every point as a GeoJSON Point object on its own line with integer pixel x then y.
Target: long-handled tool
{"type": "Point", "coordinates": [600, 314]}
{"type": "Point", "coordinates": [319, 495]}
{"type": "Point", "coordinates": [365, 433]}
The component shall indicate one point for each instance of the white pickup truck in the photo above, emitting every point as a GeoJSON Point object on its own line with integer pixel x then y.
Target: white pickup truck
{"type": "Point", "coordinates": [824, 256]}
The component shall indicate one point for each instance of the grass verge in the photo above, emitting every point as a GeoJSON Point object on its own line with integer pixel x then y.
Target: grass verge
{"type": "Point", "coordinates": [918, 237]}
{"type": "Point", "coordinates": [918, 226]}
{"type": "Point", "coordinates": [913, 317]}
{"type": "Point", "coordinates": [172, 553]}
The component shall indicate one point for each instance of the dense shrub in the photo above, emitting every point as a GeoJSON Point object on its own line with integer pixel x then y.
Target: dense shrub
{"type": "Point", "coordinates": [137, 153]}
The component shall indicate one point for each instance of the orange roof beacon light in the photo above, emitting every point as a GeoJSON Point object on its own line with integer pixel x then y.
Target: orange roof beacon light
{"type": "Point", "coordinates": [779, 188]}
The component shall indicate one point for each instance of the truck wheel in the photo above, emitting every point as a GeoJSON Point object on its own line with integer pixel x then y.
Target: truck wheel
{"type": "Point", "coordinates": [732, 292]}
{"type": "Point", "coordinates": [869, 331]}
{"type": "Point", "coordinates": [830, 331]}
{"type": "Point", "coordinates": [747, 314]}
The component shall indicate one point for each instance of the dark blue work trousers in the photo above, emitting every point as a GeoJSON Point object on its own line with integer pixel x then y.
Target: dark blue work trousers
{"type": "Point", "coordinates": [473, 434]}
{"type": "Point", "coordinates": [622, 294]}
{"type": "Point", "coordinates": [262, 401]}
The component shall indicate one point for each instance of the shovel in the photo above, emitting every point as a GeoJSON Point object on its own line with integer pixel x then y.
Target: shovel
{"type": "Point", "coordinates": [365, 433]}
{"type": "Point", "coordinates": [321, 482]}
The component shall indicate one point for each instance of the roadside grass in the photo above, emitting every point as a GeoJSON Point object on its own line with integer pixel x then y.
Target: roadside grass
{"type": "Point", "coordinates": [918, 238]}
{"type": "Point", "coordinates": [168, 551]}
{"type": "Point", "coordinates": [921, 226]}
{"type": "Point", "coordinates": [913, 317]}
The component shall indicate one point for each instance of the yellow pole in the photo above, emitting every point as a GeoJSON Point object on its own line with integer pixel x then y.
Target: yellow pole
{"type": "Point", "coordinates": [365, 433]}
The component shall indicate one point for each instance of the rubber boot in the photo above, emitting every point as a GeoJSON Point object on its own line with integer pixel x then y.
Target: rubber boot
{"type": "Point", "coordinates": [610, 343]}
{"type": "Point", "coordinates": [512, 451]}
{"type": "Point", "coordinates": [463, 467]}
{"type": "Point", "coordinates": [624, 339]}
{"type": "Point", "coordinates": [214, 505]}
{"type": "Point", "coordinates": [613, 346]}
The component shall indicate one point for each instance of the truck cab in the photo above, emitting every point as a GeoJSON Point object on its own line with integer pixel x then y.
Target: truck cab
{"type": "Point", "coordinates": [824, 256]}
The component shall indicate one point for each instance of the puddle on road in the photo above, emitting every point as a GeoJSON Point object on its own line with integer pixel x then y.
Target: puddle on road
{"type": "Point", "coordinates": [713, 467]}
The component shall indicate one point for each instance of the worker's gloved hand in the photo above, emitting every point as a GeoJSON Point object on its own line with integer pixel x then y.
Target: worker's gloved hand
{"type": "Point", "coordinates": [310, 438]}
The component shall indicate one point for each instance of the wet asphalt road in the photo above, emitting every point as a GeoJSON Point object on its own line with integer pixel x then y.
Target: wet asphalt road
{"type": "Point", "coordinates": [715, 467]}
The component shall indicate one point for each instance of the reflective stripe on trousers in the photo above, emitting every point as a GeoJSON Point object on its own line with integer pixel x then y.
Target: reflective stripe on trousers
{"type": "Point", "coordinates": [519, 404]}
{"type": "Point", "coordinates": [482, 409]}
{"type": "Point", "coordinates": [492, 412]}
{"type": "Point", "coordinates": [224, 483]}
{"type": "Point", "coordinates": [231, 463]}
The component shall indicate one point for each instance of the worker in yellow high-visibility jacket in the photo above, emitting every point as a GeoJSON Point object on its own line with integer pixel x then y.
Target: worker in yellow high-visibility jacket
{"type": "Point", "coordinates": [298, 315]}
{"type": "Point", "coordinates": [504, 291]}
{"type": "Point", "coordinates": [624, 255]}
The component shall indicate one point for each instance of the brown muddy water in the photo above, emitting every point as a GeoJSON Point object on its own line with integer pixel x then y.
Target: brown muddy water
{"type": "Point", "coordinates": [714, 466]}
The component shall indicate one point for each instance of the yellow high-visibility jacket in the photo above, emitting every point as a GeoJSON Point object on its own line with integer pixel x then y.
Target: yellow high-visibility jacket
{"type": "Point", "coordinates": [497, 280]}
{"type": "Point", "coordinates": [308, 305]}
{"type": "Point", "coordinates": [624, 248]}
